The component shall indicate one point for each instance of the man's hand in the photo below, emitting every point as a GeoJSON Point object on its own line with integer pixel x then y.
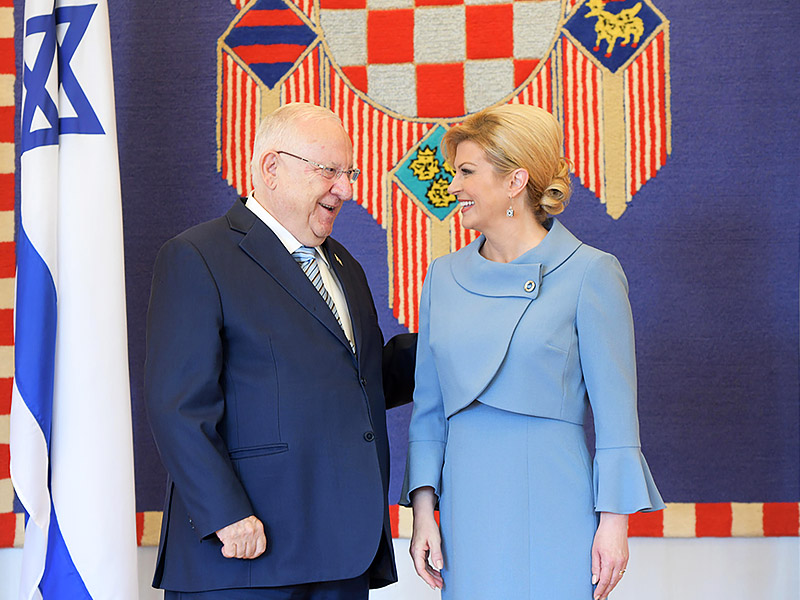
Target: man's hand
{"type": "Point", "coordinates": [243, 539]}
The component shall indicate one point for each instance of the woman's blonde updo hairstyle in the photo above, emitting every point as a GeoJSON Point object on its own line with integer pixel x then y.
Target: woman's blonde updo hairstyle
{"type": "Point", "coordinates": [518, 136]}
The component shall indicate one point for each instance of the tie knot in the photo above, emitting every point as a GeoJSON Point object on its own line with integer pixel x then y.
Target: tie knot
{"type": "Point", "coordinates": [304, 254]}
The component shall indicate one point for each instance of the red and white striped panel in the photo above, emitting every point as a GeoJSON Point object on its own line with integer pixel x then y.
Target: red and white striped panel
{"type": "Point", "coordinates": [459, 236]}
{"type": "Point", "coordinates": [303, 84]}
{"type": "Point", "coordinates": [410, 258]}
{"type": "Point", "coordinates": [12, 530]}
{"type": "Point", "coordinates": [582, 85]}
{"type": "Point", "coordinates": [10, 523]}
{"type": "Point", "coordinates": [148, 528]}
{"type": "Point", "coordinates": [719, 519]}
{"type": "Point", "coordinates": [240, 101]}
{"type": "Point", "coordinates": [679, 520]}
{"type": "Point", "coordinates": [646, 114]}
{"type": "Point", "coordinates": [539, 92]}
{"type": "Point", "coordinates": [306, 6]}
{"type": "Point", "coordinates": [379, 142]}
{"type": "Point", "coordinates": [685, 520]}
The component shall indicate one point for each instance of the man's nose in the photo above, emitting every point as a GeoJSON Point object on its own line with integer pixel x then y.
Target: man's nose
{"type": "Point", "coordinates": [342, 187]}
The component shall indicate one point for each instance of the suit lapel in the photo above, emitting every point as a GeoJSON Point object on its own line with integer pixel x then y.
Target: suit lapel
{"type": "Point", "coordinates": [264, 247]}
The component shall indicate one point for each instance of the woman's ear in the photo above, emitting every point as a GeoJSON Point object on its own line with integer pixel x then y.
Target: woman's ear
{"type": "Point", "coordinates": [517, 182]}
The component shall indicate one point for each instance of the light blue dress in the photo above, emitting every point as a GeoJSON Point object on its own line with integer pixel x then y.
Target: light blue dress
{"type": "Point", "coordinates": [508, 358]}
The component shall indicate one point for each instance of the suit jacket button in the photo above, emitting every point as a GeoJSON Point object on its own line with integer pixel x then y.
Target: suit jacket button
{"type": "Point", "coordinates": [369, 436]}
{"type": "Point", "coordinates": [529, 285]}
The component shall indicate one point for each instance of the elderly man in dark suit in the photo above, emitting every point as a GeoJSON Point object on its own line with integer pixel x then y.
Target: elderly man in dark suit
{"type": "Point", "coordinates": [265, 382]}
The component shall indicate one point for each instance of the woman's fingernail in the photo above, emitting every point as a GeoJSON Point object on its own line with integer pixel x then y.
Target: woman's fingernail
{"type": "Point", "coordinates": [439, 564]}
{"type": "Point", "coordinates": [595, 579]}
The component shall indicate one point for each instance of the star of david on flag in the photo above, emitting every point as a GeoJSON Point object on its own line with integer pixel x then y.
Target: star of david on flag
{"type": "Point", "coordinates": [41, 120]}
{"type": "Point", "coordinates": [71, 436]}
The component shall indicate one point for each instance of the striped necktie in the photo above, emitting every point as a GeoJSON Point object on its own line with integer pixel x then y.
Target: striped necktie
{"type": "Point", "coordinates": [306, 257]}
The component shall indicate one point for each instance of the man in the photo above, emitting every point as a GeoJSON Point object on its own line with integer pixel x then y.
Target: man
{"type": "Point", "coordinates": [264, 386]}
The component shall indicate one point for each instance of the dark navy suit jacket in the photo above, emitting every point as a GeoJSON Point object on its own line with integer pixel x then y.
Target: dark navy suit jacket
{"type": "Point", "coordinates": [258, 406]}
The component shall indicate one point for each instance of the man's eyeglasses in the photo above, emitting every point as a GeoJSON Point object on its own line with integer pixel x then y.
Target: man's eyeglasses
{"type": "Point", "coordinates": [328, 172]}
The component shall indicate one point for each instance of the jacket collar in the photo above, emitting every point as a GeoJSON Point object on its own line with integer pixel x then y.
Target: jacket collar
{"type": "Point", "coordinates": [523, 276]}
{"type": "Point", "coordinates": [240, 218]}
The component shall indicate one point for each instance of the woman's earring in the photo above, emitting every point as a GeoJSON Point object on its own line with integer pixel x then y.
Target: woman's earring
{"type": "Point", "coordinates": [510, 211]}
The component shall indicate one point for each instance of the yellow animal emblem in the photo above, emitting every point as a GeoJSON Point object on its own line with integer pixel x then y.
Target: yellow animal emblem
{"type": "Point", "coordinates": [425, 166]}
{"type": "Point", "coordinates": [438, 195]}
{"type": "Point", "coordinates": [612, 27]}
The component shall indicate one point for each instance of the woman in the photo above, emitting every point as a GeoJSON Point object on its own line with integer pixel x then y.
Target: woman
{"type": "Point", "coordinates": [517, 329]}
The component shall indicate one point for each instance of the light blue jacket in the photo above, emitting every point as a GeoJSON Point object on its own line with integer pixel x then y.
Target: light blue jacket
{"type": "Point", "coordinates": [554, 331]}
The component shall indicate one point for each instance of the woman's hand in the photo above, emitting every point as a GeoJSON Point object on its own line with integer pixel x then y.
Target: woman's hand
{"type": "Point", "coordinates": [426, 541]}
{"type": "Point", "coordinates": [609, 553]}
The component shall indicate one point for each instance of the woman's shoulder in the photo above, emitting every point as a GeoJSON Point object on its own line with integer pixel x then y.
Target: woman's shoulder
{"type": "Point", "coordinates": [599, 269]}
{"type": "Point", "coordinates": [586, 256]}
{"type": "Point", "coordinates": [591, 255]}
{"type": "Point", "coordinates": [589, 263]}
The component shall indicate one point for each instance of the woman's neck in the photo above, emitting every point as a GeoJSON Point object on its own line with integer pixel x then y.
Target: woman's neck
{"type": "Point", "coordinates": [513, 239]}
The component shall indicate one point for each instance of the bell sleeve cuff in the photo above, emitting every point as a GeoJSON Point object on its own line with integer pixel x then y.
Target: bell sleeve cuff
{"type": "Point", "coordinates": [622, 482]}
{"type": "Point", "coordinates": [423, 468]}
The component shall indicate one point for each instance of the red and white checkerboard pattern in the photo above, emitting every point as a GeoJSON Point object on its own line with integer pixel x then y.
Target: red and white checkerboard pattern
{"type": "Point", "coordinates": [438, 58]}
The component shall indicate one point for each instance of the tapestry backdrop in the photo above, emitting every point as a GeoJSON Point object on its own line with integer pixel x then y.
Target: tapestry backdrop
{"type": "Point", "coordinates": [681, 123]}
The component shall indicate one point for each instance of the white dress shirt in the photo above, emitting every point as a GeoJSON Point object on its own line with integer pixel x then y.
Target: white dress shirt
{"type": "Point", "coordinates": [328, 277]}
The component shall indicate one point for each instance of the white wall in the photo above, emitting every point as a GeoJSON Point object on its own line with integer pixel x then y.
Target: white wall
{"type": "Point", "coordinates": [659, 569]}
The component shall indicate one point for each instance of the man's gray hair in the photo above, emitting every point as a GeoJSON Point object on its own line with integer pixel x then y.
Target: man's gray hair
{"type": "Point", "coordinates": [276, 128]}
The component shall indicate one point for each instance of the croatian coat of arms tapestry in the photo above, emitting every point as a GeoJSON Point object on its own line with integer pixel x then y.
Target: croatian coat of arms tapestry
{"type": "Point", "coordinates": [680, 132]}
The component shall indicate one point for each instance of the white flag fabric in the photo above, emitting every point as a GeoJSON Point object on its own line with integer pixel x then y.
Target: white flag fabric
{"type": "Point", "coordinates": [71, 437]}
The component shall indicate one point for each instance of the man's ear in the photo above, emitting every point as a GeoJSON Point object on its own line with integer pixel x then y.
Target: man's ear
{"type": "Point", "coordinates": [268, 169]}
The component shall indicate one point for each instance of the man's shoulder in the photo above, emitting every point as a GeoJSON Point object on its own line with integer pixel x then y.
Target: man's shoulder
{"type": "Point", "coordinates": [205, 230]}
{"type": "Point", "coordinates": [211, 230]}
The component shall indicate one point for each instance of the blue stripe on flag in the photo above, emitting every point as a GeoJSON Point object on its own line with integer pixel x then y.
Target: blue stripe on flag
{"type": "Point", "coordinates": [61, 579]}
{"type": "Point", "coordinates": [35, 335]}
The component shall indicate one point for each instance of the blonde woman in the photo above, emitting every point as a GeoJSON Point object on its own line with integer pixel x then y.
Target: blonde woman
{"type": "Point", "coordinates": [518, 331]}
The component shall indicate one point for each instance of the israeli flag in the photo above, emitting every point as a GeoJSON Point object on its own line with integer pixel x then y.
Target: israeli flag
{"type": "Point", "coordinates": [71, 439]}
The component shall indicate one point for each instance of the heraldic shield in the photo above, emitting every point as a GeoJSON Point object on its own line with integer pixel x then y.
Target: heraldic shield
{"type": "Point", "coordinates": [400, 72]}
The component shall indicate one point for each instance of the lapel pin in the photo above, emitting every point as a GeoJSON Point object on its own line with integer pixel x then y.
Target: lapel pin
{"type": "Point", "coordinates": [339, 260]}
